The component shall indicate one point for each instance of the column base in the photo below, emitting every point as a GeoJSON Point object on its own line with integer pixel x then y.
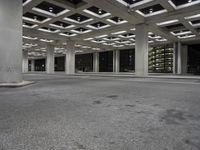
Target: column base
{"type": "Point", "coordinates": [15, 85]}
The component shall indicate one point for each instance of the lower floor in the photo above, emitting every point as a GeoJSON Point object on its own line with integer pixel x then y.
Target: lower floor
{"type": "Point", "coordinates": [62, 112]}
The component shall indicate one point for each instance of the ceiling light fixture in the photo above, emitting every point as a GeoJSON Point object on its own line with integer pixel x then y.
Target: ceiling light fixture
{"type": "Point", "coordinates": [51, 9]}
{"type": "Point", "coordinates": [79, 19]}
{"type": "Point", "coordinates": [100, 11]}
{"type": "Point", "coordinates": [151, 10]}
{"type": "Point", "coordinates": [35, 18]}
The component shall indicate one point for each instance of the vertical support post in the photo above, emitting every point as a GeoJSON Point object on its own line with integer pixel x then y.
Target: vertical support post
{"type": "Point", "coordinates": [11, 31]}
{"type": "Point", "coordinates": [70, 58]}
{"type": "Point", "coordinates": [175, 58]}
{"type": "Point", "coordinates": [25, 61]}
{"type": "Point", "coordinates": [116, 61]}
{"type": "Point", "coordinates": [32, 65]}
{"type": "Point", "coordinates": [179, 58]}
{"type": "Point", "coordinates": [141, 50]}
{"type": "Point", "coordinates": [50, 62]}
{"type": "Point", "coordinates": [184, 59]}
{"type": "Point", "coordinates": [96, 62]}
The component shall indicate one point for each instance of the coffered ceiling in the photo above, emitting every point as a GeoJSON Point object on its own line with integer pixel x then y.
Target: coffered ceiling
{"type": "Point", "coordinates": [97, 25]}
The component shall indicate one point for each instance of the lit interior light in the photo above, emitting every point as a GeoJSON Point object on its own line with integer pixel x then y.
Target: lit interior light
{"type": "Point", "coordinates": [100, 11]}
{"type": "Point", "coordinates": [35, 18]}
{"type": "Point", "coordinates": [79, 19]}
{"type": "Point", "coordinates": [96, 49]}
{"type": "Point", "coordinates": [118, 45]}
{"type": "Point", "coordinates": [167, 22]}
{"type": "Point", "coordinates": [151, 10]}
{"type": "Point", "coordinates": [51, 9]}
{"type": "Point", "coordinates": [101, 36]}
{"type": "Point", "coordinates": [193, 16]}
{"type": "Point", "coordinates": [78, 51]}
{"type": "Point", "coordinates": [120, 32]}
{"type": "Point", "coordinates": [28, 1]}
{"type": "Point", "coordinates": [181, 33]}
{"type": "Point", "coordinates": [186, 36]}
{"type": "Point", "coordinates": [30, 38]}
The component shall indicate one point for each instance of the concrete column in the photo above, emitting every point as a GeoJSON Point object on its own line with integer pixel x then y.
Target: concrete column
{"type": "Point", "coordinates": [10, 41]}
{"type": "Point", "coordinates": [116, 61]}
{"type": "Point", "coordinates": [50, 62]}
{"type": "Point", "coordinates": [25, 61]}
{"type": "Point", "coordinates": [180, 58]}
{"type": "Point", "coordinates": [32, 65]}
{"type": "Point", "coordinates": [141, 50]}
{"type": "Point", "coordinates": [96, 62]}
{"type": "Point", "coordinates": [70, 58]}
{"type": "Point", "coordinates": [175, 58]}
{"type": "Point", "coordinates": [184, 59]}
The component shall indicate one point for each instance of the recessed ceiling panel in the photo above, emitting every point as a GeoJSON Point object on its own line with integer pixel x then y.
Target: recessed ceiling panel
{"type": "Point", "coordinates": [50, 7]}
{"type": "Point", "coordinates": [151, 9]}
{"type": "Point", "coordinates": [34, 16]}
{"type": "Point", "coordinates": [182, 2]}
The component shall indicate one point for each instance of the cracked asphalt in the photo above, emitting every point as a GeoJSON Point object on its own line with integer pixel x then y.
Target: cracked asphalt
{"type": "Point", "coordinates": [60, 112]}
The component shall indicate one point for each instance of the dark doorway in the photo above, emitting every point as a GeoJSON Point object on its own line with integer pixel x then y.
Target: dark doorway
{"type": "Point", "coordinates": [127, 60]}
{"type": "Point", "coordinates": [60, 63]}
{"type": "Point", "coordinates": [106, 61]}
{"type": "Point", "coordinates": [40, 64]}
{"type": "Point", "coordinates": [194, 59]}
{"type": "Point", "coordinates": [84, 63]}
{"type": "Point", "coordinates": [29, 65]}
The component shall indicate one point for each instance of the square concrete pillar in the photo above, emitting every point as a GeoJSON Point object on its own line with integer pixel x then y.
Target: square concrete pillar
{"type": "Point", "coordinates": [50, 62]}
{"type": "Point", "coordinates": [184, 60]}
{"type": "Point", "coordinates": [70, 58]}
{"type": "Point", "coordinates": [25, 61]}
{"type": "Point", "coordinates": [32, 65]}
{"type": "Point", "coordinates": [141, 50]}
{"type": "Point", "coordinates": [175, 58]}
{"type": "Point", "coordinates": [96, 62]}
{"type": "Point", "coordinates": [116, 61]}
{"type": "Point", "coordinates": [10, 41]}
{"type": "Point", "coordinates": [180, 58]}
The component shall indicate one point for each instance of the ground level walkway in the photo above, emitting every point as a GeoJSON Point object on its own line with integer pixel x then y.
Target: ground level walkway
{"type": "Point", "coordinates": [85, 112]}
